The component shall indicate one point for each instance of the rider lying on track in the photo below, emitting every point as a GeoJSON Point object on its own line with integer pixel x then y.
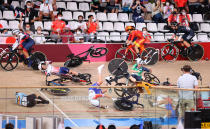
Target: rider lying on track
{"type": "Point", "coordinates": [25, 44]}
{"type": "Point", "coordinates": [136, 37]}
{"type": "Point", "coordinates": [49, 69]}
{"type": "Point", "coordinates": [96, 93]}
{"type": "Point", "coordinates": [186, 38]}
{"type": "Point", "coordinates": [137, 70]}
{"type": "Point", "coordinates": [29, 100]}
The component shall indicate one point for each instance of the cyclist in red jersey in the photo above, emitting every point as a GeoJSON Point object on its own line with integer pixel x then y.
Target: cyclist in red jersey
{"type": "Point", "coordinates": [136, 37]}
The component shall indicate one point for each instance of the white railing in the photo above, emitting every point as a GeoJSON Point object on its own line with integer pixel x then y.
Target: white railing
{"type": "Point", "coordinates": [7, 118]}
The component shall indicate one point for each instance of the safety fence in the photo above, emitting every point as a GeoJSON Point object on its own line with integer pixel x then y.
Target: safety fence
{"type": "Point", "coordinates": [75, 109]}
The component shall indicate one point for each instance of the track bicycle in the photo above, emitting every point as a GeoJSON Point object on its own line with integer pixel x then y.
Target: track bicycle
{"type": "Point", "coordinates": [9, 60]}
{"type": "Point", "coordinates": [149, 55]}
{"type": "Point", "coordinates": [63, 79]}
{"type": "Point", "coordinates": [76, 60]}
{"type": "Point", "coordinates": [118, 68]}
{"type": "Point", "coordinates": [171, 51]}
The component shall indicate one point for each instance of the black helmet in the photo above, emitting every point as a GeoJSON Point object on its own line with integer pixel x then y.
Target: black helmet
{"type": "Point", "coordinates": [174, 24]}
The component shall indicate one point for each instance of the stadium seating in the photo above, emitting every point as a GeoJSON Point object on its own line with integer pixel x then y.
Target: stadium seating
{"type": "Point", "coordinates": [203, 37]}
{"type": "Point", "coordinates": [90, 13]}
{"type": "Point", "coordinates": [124, 36]}
{"type": "Point", "coordinates": [152, 27]}
{"type": "Point", "coordinates": [108, 26]}
{"type": "Point", "coordinates": [205, 27]}
{"type": "Point", "coordinates": [38, 23]}
{"type": "Point", "coordinates": [101, 16]}
{"type": "Point", "coordinates": [130, 24]}
{"type": "Point", "coordinates": [197, 18]}
{"type": "Point", "coordinates": [123, 17]}
{"type": "Point", "coordinates": [13, 24]}
{"type": "Point", "coordinates": [84, 7]}
{"type": "Point", "coordinates": [103, 36]}
{"type": "Point", "coordinates": [139, 26]}
{"type": "Point", "coordinates": [67, 15]}
{"type": "Point", "coordinates": [76, 14]}
{"type": "Point", "coordinates": [61, 5]}
{"type": "Point", "coordinates": [4, 24]}
{"type": "Point", "coordinates": [112, 17]}
{"type": "Point", "coordinates": [47, 25]}
{"type": "Point", "coordinates": [72, 6]}
{"type": "Point", "coordinates": [159, 37]}
{"type": "Point", "coordinates": [119, 26]}
{"type": "Point", "coordinates": [115, 37]}
{"type": "Point", "coordinates": [15, 4]}
{"type": "Point", "coordinates": [8, 15]}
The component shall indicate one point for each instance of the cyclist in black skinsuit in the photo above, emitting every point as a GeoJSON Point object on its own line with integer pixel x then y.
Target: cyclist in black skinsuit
{"type": "Point", "coordinates": [186, 38]}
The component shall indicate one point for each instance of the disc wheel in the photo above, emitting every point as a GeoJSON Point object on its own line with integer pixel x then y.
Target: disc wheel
{"type": "Point", "coordinates": [99, 52]}
{"type": "Point", "coordinates": [152, 79]}
{"type": "Point", "coordinates": [9, 61]}
{"type": "Point", "coordinates": [197, 53]}
{"type": "Point", "coordinates": [127, 56]}
{"type": "Point", "coordinates": [150, 56]}
{"type": "Point", "coordinates": [37, 57]}
{"type": "Point", "coordinates": [73, 62]}
{"type": "Point", "coordinates": [169, 53]}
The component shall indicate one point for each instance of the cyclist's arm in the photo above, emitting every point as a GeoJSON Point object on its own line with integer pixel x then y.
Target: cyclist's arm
{"type": "Point", "coordinates": [133, 69]}
{"type": "Point", "coordinates": [146, 69]}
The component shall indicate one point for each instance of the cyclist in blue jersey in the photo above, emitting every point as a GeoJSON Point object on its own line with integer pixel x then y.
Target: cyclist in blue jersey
{"type": "Point", "coordinates": [25, 44]}
{"type": "Point", "coordinates": [186, 38]}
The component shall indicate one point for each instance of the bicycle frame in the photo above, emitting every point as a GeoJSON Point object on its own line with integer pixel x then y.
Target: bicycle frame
{"type": "Point", "coordinates": [87, 52]}
{"type": "Point", "coordinates": [130, 47]}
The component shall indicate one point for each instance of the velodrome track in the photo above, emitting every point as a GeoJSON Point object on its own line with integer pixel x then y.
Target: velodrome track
{"type": "Point", "coordinates": [75, 105]}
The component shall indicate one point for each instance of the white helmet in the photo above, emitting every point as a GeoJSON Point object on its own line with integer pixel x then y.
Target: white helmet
{"type": "Point", "coordinates": [40, 65]}
{"type": "Point", "coordinates": [15, 32]}
{"type": "Point", "coordinates": [139, 61]}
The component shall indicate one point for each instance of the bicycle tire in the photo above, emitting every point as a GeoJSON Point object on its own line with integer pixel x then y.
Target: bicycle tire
{"type": "Point", "coordinates": [151, 78]}
{"type": "Point", "coordinates": [197, 54]}
{"type": "Point", "coordinates": [125, 92]}
{"type": "Point", "coordinates": [7, 58]}
{"type": "Point", "coordinates": [129, 57]}
{"type": "Point", "coordinates": [150, 56]}
{"type": "Point", "coordinates": [169, 55]}
{"type": "Point", "coordinates": [73, 62]}
{"type": "Point", "coordinates": [36, 58]}
{"type": "Point", "coordinates": [98, 52]}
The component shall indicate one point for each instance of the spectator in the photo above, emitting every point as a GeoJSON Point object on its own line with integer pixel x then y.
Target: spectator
{"type": "Point", "coordinates": [146, 35]}
{"type": "Point", "coordinates": [112, 6]}
{"type": "Point", "coordinates": [3, 39]}
{"type": "Point", "coordinates": [138, 8]}
{"type": "Point", "coordinates": [30, 15]}
{"type": "Point", "coordinates": [27, 28]}
{"type": "Point", "coordinates": [103, 6]}
{"type": "Point", "coordinates": [186, 98]}
{"type": "Point", "coordinates": [81, 24]}
{"type": "Point", "coordinates": [6, 4]}
{"type": "Point", "coordinates": [112, 127]}
{"type": "Point", "coordinates": [92, 27]}
{"type": "Point", "coordinates": [167, 10]}
{"type": "Point", "coordinates": [95, 4]}
{"type": "Point", "coordinates": [184, 19]}
{"type": "Point", "coordinates": [39, 37]}
{"type": "Point", "coordinates": [46, 11]}
{"type": "Point", "coordinates": [78, 36]}
{"type": "Point", "coordinates": [67, 36]}
{"type": "Point", "coordinates": [181, 4]}
{"type": "Point", "coordinates": [173, 17]}
{"type": "Point", "coordinates": [57, 27]}
{"type": "Point", "coordinates": [100, 127]}
{"type": "Point", "coordinates": [126, 6]}
{"type": "Point", "coordinates": [156, 12]}
{"type": "Point", "coordinates": [9, 126]}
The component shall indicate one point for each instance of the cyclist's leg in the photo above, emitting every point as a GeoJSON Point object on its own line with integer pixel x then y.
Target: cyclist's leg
{"type": "Point", "coordinates": [138, 44]}
{"type": "Point", "coordinates": [26, 46]}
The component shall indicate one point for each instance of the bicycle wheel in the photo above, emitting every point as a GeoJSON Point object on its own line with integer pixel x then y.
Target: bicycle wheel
{"type": "Point", "coordinates": [36, 58]}
{"type": "Point", "coordinates": [197, 53]}
{"type": "Point", "coordinates": [9, 61]}
{"type": "Point", "coordinates": [121, 53]}
{"type": "Point", "coordinates": [150, 78]}
{"type": "Point", "coordinates": [73, 62]}
{"type": "Point", "coordinates": [169, 53]}
{"type": "Point", "coordinates": [99, 52]}
{"type": "Point", "coordinates": [125, 92]}
{"type": "Point", "coordinates": [150, 56]}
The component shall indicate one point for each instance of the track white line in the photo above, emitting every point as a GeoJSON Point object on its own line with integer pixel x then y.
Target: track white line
{"type": "Point", "coordinates": [64, 114]}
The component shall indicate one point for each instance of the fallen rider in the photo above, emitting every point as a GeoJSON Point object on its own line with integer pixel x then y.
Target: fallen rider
{"type": "Point", "coordinates": [96, 93]}
{"type": "Point", "coordinates": [49, 69]}
{"type": "Point", "coordinates": [29, 100]}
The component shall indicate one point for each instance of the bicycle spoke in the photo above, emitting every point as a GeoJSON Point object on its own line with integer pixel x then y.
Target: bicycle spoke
{"type": "Point", "coordinates": [6, 65]}
{"type": "Point", "coordinates": [11, 65]}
